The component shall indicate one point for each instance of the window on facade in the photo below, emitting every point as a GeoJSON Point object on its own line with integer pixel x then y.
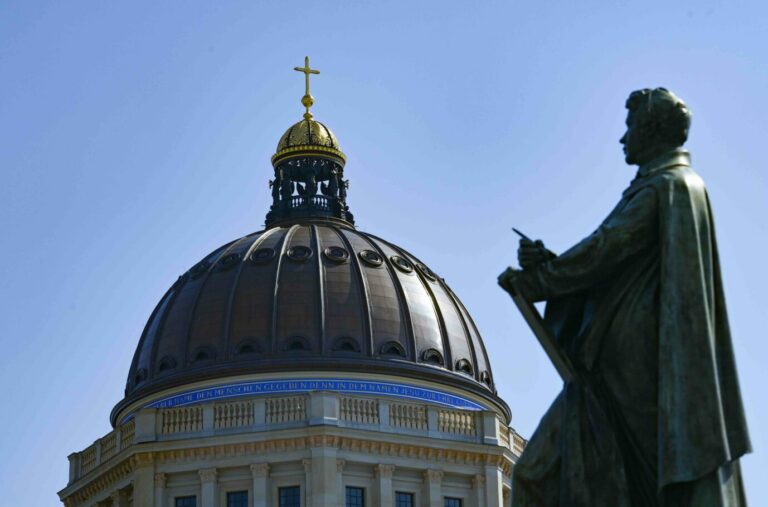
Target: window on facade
{"type": "Point", "coordinates": [237, 499]}
{"type": "Point", "coordinates": [289, 497]}
{"type": "Point", "coordinates": [452, 502]}
{"type": "Point", "coordinates": [185, 501]}
{"type": "Point", "coordinates": [403, 499]}
{"type": "Point", "coordinates": [355, 497]}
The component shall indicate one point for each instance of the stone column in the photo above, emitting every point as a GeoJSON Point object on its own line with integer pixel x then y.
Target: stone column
{"type": "Point", "coordinates": [478, 484]}
{"type": "Point", "coordinates": [324, 481]}
{"type": "Point", "coordinates": [432, 488]}
{"type": "Point", "coordinates": [119, 498]}
{"type": "Point", "coordinates": [208, 494]}
{"type": "Point", "coordinates": [160, 481]}
{"type": "Point", "coordinates": [259, 473]}
{"type": "Point", "coordinates": [340, 479]}
{"type": "Point", "coordinates": [493, 485]}
{"type": "Point", "coordinates": [143, 480]}
{"type": "Point", "coordinates": [384, 474]}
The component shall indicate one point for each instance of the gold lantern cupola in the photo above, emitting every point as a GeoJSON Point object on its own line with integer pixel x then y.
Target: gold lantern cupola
{"type": "Point", "coordinates": [308, 136]}
{"type": "Point", "coordinates": [309, 171]}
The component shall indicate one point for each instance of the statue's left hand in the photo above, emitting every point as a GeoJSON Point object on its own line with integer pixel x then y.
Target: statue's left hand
{"type": "Point", "coordinates": [506, 277]}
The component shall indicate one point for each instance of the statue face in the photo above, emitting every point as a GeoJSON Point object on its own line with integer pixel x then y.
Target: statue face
{"type": "Point", "coordinates": [633, 140]}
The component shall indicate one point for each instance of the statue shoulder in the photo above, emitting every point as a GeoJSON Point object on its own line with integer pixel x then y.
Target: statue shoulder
{"type": "Point", "coordinates": [671, 180]}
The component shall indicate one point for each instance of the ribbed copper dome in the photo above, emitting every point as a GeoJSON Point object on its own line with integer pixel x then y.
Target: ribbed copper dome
{"type": "Point", "coordinates": [308, 297]}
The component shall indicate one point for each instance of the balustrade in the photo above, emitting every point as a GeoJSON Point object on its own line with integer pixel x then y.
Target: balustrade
{"type": "Point", "coordinates": [359, 410]}
{"type": "Point", "coordinates": [88, 460]}
{"type": "Point", "coordinates": [284, 410]}
{"type": "Point", "coordinates": [127, 431]}
{"type": "Point", "coordinates": [109, 445]}
{"type": "Point", "coordinates": [518, 443]}
{"type": "Point", "coordinates": [182, 420]}
{"type": "Point", "coordinates": [394, 416]}
{"type": "Point", "coordinates": [317, 202]}
{"type": "Point", "coordinates": [503, 434]}
{"type": "Point", "coordinates": [405, 415]}
{"type": "Point", "coordinates": [457, 422]}
{"type": "Point", "coordinates": [233, 415]}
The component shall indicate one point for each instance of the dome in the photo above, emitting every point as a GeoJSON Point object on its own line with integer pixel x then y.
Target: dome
{"type": "Point", "coordinates": [311, 296]}
{"type": "Point", "coordinates": [307, 136]}
{"type": "Point", "coordinates": [310, 293]}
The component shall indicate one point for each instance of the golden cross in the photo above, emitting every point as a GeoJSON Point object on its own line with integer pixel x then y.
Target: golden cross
{"type": "Point", "coordinates": [307, 100]}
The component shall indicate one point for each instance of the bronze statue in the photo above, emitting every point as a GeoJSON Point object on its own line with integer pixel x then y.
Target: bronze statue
{"type": "Point", "coordinates": [331, 189]}
{"type": "Point", "coordinates": [653, 414]}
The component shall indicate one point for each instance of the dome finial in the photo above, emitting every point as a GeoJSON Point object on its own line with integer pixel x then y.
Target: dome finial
{"type": "Point", "coordinates": [307, 100]}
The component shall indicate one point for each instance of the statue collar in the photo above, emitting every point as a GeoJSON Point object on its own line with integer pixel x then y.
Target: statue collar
{"type": "Point", "coordinates": [674, 158]}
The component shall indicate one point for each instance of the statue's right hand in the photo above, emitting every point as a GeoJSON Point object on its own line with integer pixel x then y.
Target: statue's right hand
{"type": "Point", "coordinates": [532, 253]}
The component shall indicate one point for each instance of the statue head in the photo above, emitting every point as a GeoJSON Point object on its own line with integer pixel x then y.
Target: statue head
{"type": "Point", "coordinates": [657, 122]}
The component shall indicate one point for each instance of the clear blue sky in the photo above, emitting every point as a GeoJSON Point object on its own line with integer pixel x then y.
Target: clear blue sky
{"type": "Point", "coordinates": [135, 138]}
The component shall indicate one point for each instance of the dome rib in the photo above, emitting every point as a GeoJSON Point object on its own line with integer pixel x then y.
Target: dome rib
{"type": "Point", "coordinates": [471, 321]}
{"type": "Point", "coordinates": [286, 239]}
{"type": "Point", "coordinates": [460, 315]}
{"type": "Point", "coordinates": [256, 243]}
{"type": "Point", "coordinates": [200, 291]}
{"type": "Point", "coordinates": [166, 302]}
{"type": "Point", "coordinates": [402, 297]}
{"type": "Point", "coordinates": [330, 136]}
{"type": "Point", "coordinates": [153, 356]}
{"type": "Point", "coordinates": [465, 325]}
{"type": "Point", "coordinates": [367, 318]}
{"type": "Point", "coordinates": [447, 355]}
{"type": "Point", "coordinates": [447, 349]}
{"type": "Point", "coordinates": [315, 242]}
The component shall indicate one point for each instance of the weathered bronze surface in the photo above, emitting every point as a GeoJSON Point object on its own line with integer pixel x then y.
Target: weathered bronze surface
{"type": "Point", "coordinates": [653, 415]}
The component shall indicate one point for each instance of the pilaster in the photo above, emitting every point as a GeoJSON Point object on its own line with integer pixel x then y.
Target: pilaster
{"type": "Point", "coordinates": [384, 475]}
{"type": "Point", "coordinates": [324, 481]}
{"type": "Point", "coordinates": [160, 481]}
{"type": "Point", "coordinates": [478, 485]}
{"type": "Point", "coordinates": [119, 498]}
{"type": "Point", "coordinates": [433, 480]}
{"type": "Point", "coordinates": [340, 463]}
{"type": "Point", "coordinates": [260, 474]}
{"type": "Point", "coordinates": [307, 463]}
{"type": "Point", "coordinates": [143, 480]}
{"type": "Point", "coordinates": [493, 485]}
{"type": "Point", "coordinates": [208, 493]}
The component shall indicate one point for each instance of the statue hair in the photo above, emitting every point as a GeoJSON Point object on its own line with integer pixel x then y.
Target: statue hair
{"type": "Point", "coordinates": [663, 112]}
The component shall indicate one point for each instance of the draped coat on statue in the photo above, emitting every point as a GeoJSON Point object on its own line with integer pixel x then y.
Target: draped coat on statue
{"type": "Point", "coordinates": [656, 416]}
